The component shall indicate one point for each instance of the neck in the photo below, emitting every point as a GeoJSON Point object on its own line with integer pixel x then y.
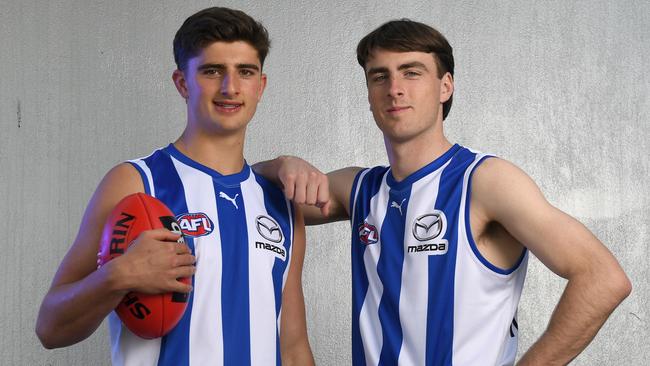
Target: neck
{"type": "Point", "coordinates": [223, 153]}
{"type": "Point", "coordinates": [407, 157]}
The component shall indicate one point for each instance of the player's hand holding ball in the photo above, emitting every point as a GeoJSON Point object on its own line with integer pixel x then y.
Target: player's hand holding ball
{"type": "Point", "coordinates": [155, 262]}
{"type": "Point", "coordinates": [143, 241]}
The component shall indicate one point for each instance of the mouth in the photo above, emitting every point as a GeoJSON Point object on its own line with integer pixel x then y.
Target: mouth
{"type": "Point", "coordinates": [397, 109]}
{"type": "Point", "coordinates": [228, 106]}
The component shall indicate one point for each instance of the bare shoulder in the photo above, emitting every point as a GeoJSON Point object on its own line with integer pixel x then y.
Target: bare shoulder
{"type": "Point", "coordinates": [80, 259]}
{"type": "Point", "coordinates": [498, 173]}
{"type": "Point", "coordinates": [499, 187]}
{"type": "Point", "coordinates": [342, 180]}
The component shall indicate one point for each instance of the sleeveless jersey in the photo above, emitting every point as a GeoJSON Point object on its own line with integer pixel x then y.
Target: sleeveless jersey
{"type": "Point", "coordinates": [240, 228]}
{"type": "Point", "coordinates": [422, 294]}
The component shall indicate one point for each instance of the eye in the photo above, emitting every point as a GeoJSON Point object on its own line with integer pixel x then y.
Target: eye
{"type": "Point", "coordinates": [246, 72]}
{"type": "Point", "coordinates": [211, 72]}
{"type": "Point", "coordinates": [378, 78]}
{"type": "Point", "coordinates": [411, 74]}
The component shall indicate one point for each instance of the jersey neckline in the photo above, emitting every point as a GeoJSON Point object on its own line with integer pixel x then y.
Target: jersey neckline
{"type": "Point", "coordinates": [425, 170]}
{"type": "Point", "coordinates": [231, 179]}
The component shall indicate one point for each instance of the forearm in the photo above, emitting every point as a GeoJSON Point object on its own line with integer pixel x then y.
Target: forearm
{"type": "Point", "coordinates": [72, 312]}
{"type": "Point", "coordinates": [584, 307]}
{"type": "Point", "coordinates": [269, 169]}
{"type": "Point", "coordinates": [320, 196]}
{"type": "Point", "coordinates": [298, 355]}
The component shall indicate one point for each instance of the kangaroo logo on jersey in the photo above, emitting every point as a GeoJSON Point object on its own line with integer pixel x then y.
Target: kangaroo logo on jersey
{"type": "Point", "coordinates": [429, 229]}
{"type": "Point", "coordinates": [228, 198]}
{"type": "Point", "coordinates": [268, 228]}
{"type": "Point", "coordinates": [368, 234]}
{"type": "Point", "coordinates": [195, 224]}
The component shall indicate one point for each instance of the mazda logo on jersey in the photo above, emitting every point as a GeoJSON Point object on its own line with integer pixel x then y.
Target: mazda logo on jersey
{"type": "Point", "coordinates": [268, 228]}
{"type": "Point", "coordinates": [195, 224]}
{"type": "Point", "coordinates": [429, 230]}
{"type": "Point", "coordinates": [368, 234]}
{"type": "Point", "coordinates": [429, 226]}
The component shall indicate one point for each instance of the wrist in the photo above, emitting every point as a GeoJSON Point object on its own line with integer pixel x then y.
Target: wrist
{"type": "Point", "coordinates": [114, 278]}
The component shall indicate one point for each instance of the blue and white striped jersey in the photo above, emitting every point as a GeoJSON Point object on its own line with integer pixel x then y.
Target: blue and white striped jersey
{"type": "Point", "coordinates": [422, 294]}
{"type": "Point", "coordinates": [240, 228]}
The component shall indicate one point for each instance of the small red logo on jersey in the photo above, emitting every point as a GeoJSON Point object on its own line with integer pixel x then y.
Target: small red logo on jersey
{"type": "Point", "coordinates": [195, 224]}
{"type": "Point", "coordinates": [368, 234]}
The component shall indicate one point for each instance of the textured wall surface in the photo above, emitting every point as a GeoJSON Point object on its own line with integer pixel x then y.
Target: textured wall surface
{"type": "Point", "coordinates": [560, 88]}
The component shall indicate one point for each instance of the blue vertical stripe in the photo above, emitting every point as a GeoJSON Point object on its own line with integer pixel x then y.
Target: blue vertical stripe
{"type": "Point", "coordinates": [235, 281]}
{"type": "Point", "coordinates": [369, 187]}
{"type": "Point", "coordinates": [389, 269]}
{"type": "Point", "coordinates": [174, 349]}
{"type": "Point", "coordinates": [442, 268]}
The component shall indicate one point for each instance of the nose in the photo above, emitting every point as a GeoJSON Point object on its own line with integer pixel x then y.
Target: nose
{"type": "Point", "coordinates": [395, 87]}
{"type": "Point", "coordinates": [229, 85]}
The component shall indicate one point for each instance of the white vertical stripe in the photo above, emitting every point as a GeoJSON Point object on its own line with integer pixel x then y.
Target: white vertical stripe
{"type": "Point", "coordinates": [147, 172]}
{"type": "Point", "coordinates": [356, 194]}
{"type": "Point", "coordinates": [260, 277]}
{"type": "Point", "coordinates": [206, 332]}
{"type": "Point", "coordinates": [481, 296]}
{"type": "Point", "coordinates": [414, 295]}
{"type": "Point", "coordinates": [129, 349]}
{"type": "Point", "coordinates": [369, 324]}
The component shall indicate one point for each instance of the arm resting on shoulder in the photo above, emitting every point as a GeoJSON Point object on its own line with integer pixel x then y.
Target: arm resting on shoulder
{"type": "Point", "coordinates": [323, 198]}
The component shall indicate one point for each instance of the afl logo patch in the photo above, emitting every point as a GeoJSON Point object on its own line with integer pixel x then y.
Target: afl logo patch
{"type": "Point", "coordinates": [368, 234]}
{"type": "Point", "coordinates": [195, 224]}
{"type": "Point", "coordinates": [268, 228]}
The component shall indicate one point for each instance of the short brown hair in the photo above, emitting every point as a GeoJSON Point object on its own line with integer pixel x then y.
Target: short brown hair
{"type": "Point", "coordinates": [218, 24]}
{"type": "Point", "coordinates": [406, 35]}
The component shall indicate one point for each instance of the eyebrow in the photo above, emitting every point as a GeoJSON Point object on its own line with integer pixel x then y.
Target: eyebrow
{"type": "Point", "coordinates": [223, 67]}
{"type": "Point", "coordinates": [414, 64]}
{"type": "Point", "coordinates": [377, 70]}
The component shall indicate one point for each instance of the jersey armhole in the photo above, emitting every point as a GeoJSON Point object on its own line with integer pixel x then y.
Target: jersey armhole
{"type": "Point", "coordinates": [354, 192]}
{"type": "Point", "coordinates": [145, 178]}
{"type": "Point", "coordinates": [468, 228]}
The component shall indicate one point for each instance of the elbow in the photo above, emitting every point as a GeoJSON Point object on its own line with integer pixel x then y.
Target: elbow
{"type": "Point", "coordinates": [48, 334]}
{"type": "Point", "coordinates": [617, 286]}
{"type": "Point", "coordinates": [623, 286]}
{"type": "Point", "coordinates": [45, 336]}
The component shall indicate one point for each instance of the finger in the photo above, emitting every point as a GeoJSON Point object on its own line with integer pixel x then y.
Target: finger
{"type": "Point", "coordinates": [300, 192]}
{"type": "Point", "coordinates": [312, 190]}
{"type": "Point", "coordinates": [323, 193]}
{"type": "Point", "coordinates": [182, 248]}
{"type": "Point", "coordinates": [178, 286]}
{"type": "Point", "coordinates": [325, 209]}
{"type": "Point", "coordinates": [184, 272]}
{"type": "Point", "coordinates": [161, 235]}
{"type": "Point", "coordinates": [289, 183]}
{"type": "Point", "coordinates": [184, 260]}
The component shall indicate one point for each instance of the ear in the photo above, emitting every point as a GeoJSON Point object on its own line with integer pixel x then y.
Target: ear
{"type": "Point", "coordinates": [446, 87]}
{"type": "Point", "coordinates": [262, 86]}
{"type": "Point", "coordinates": [181, 84]}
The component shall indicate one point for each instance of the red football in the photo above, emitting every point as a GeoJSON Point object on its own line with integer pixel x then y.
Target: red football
{"type": "Point", "coordinates": [148, 316]}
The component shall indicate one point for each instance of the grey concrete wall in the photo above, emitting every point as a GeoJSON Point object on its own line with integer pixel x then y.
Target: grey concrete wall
{"type": "Point", "coordinates": [561, 88]}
